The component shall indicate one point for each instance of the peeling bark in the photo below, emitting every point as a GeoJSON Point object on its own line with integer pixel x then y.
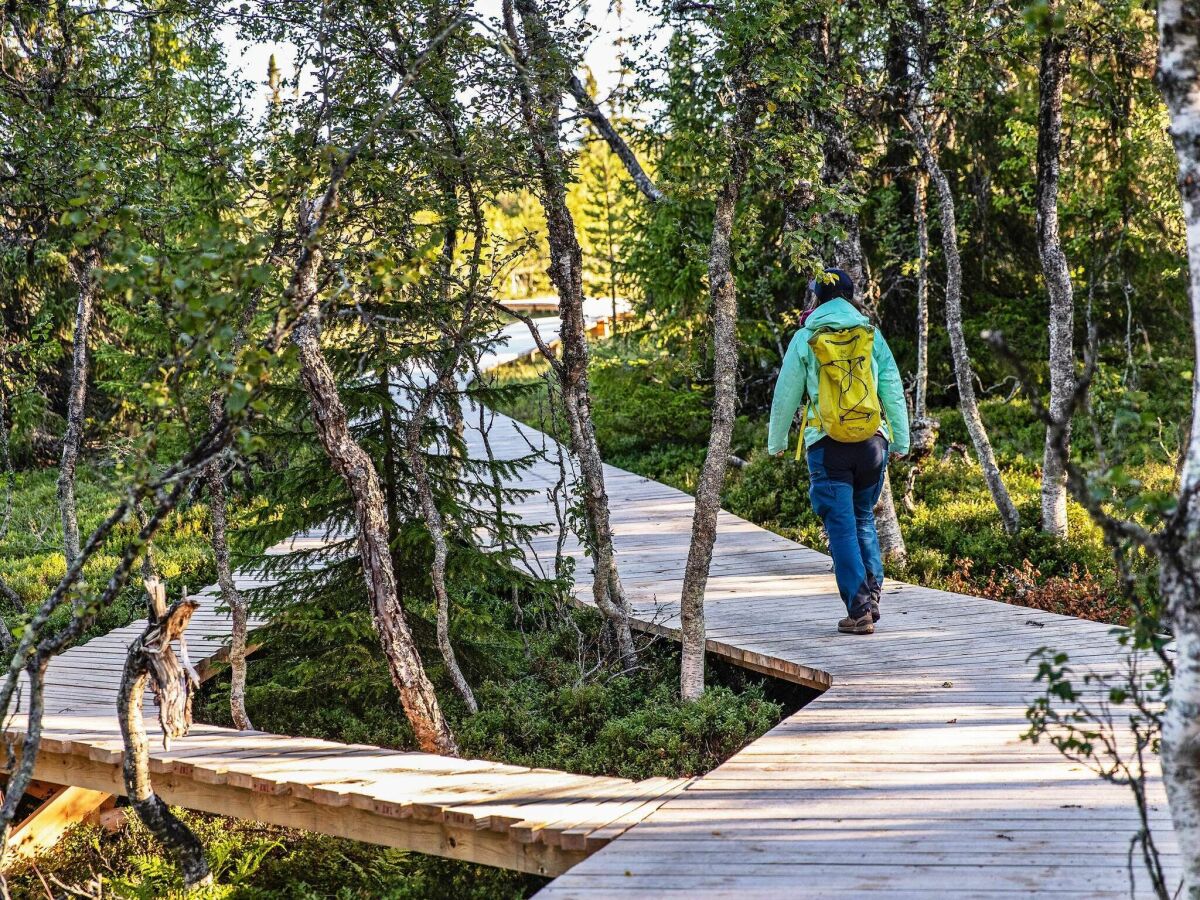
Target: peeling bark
{"type": "Point", "coordinates": [152, 658]}
{"type": "Point", "coordinates": [82, 269]}
{"type": "Point", "coordinates": [1054, 63]}
{"type": "Point", "coordinates": [230, 596]}
{"type": "Point", "coordinates": [354, 466]}
{"type": "Point", "coordinates": [921, 381]}
{"type": "Point", "coordinates": [540, 100]}
{"type": "Point", "coordinates": [1179, 80]}
{"type": "Point", "coordinates": [722, 290]}
{"type": "Point", "coordinates": [964, 374]}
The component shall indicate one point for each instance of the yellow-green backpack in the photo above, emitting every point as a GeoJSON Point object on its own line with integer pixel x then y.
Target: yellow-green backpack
{"type": "Point", "coordinates": [847, 400]}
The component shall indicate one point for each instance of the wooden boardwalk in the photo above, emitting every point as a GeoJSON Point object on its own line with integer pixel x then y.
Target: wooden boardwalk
{"type": "Point", "coordinates": [532, 820]}
{"type": "Point", "coordinates": [907, 778]}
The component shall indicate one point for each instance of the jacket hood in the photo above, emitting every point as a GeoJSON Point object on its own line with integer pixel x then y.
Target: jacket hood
{"type": "Point", "coordinates": [837, 313]}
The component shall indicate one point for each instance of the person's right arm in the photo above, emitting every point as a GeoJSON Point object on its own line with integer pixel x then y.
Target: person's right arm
{"type": "Point", "coordinates": [789, 390]}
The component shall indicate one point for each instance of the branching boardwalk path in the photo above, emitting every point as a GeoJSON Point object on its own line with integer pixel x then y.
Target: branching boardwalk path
{"type": "Point", "coordinates": [906, 778]}
{"type": "Point", "coordinates": [533, 820]}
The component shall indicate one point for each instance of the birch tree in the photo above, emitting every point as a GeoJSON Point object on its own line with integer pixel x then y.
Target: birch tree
{"type": "Point", "coordinates": [964, 375]}
{"type": "Point", "coordinates": [541, 74]}
{"type": "Point", "coordinates": [1055, 59]}
{"type": "Point", "coordinates": [935, 63]}
{"type": "Point", "coordinates": [1179, 574]}
{"type": "Point", "coordinates": [355, 467]}
{"type": "Point", "coordinates": [921, 377]}
{"type": "Point", "coordinates": [83, 268]}
{"type": "Point", "coordinates": [723, 315]}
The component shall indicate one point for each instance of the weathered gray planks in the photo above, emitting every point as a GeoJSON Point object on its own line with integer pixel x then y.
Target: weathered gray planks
{"type": "Point", "coordinates": [908, 778]}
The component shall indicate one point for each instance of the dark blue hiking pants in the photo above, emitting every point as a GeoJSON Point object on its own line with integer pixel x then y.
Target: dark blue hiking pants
{"type": "Point", "coordinates": [845, 483]}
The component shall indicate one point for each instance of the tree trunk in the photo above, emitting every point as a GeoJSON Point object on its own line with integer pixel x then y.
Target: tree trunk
{"type": "Point", "coordinates": [540, 103]}
{"type": "Point", "coordinates": [81, 268]}
{"type": "Point", "coordinates": [1055, 59]}
{"type": "Point", "coordinates": [891, 540]}
{"type": "Point", "coordinates": [1179, 79]}
{"type": "Point", "coordinates": [964, 375]}
{"type": "Point", "coordinates": [921, 382]}
{"type": "Point", "coordinates": [230, 595]}
{"type": "Point", "coordinates": [7, 594]}
{"type": "Point", "coordinates": [723, 293]}
{"type": "Point", "coordinates": [437, 533]}
{"type": "Point", "coordinates": [151, 657]}
{"type": "Point", "coordinates": [7, 475]}
{"type": "Point", "coordinates": [354, 466]}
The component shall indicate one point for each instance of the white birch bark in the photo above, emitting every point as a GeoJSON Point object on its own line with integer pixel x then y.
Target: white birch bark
{"type": "Point", "coordinates": [723, 293]}
{"type": "Point", "coordinates": [921, 381]}
{"type": "Point", "coordinates": [437, 534]}
{"type": "Point", "coordinates": [1055, 59]}
{"type": "Point", "coordinates": [541, 98]}
{"type": "Point", "coordinates": [354, 466]}
{"type": "Point", "coordinates": [1179, 79]}
{"type": "Point", "coordinates": [963, 373]}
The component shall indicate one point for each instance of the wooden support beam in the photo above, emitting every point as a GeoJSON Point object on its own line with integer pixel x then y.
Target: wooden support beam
{"type": "Point", "coordinates": [65, 805]}
{"type": "Point", "coordinates": [479, 846]}
{"type": "Point", "coordinates": [46, 825]}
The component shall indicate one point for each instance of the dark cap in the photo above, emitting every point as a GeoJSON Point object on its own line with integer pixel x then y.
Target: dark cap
{"type": "Point", "coordinates": [835, 283]}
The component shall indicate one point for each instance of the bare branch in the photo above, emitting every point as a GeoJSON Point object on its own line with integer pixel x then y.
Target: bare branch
{"type": "Point", "coordinates": [593, 113]}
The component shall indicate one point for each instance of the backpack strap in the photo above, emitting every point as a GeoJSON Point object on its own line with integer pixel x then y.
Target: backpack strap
{"type": "Point", "coordinates": [803, 425]}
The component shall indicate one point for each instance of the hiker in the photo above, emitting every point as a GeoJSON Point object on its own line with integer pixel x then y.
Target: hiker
{"type": "Point", "coordinates": [840, 367]}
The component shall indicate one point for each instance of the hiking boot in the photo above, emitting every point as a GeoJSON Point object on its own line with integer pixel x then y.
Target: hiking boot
{"type": "Point", "coordinates": [864, 624]}
{"type": "Point", "coordinates": [874, 610]}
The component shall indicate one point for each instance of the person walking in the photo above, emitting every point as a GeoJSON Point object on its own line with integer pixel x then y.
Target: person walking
{"type": "Point", "coordinates": [841, 369]}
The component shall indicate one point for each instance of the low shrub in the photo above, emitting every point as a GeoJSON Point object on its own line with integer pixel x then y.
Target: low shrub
{"type": "Point", "coordinates": [1078, 593]}
{"type": "Point", "coordinates": [251, 861]}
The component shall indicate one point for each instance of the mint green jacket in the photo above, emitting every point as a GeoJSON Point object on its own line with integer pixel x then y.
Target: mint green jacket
{"type": "Point", "coordinates": [798, 380]}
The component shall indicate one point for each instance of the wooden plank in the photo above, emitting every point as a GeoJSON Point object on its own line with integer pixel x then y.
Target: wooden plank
{"type": "Point", "coordinates": [43, 828]}
{"type": "Point", "coordinates": [484, 847]}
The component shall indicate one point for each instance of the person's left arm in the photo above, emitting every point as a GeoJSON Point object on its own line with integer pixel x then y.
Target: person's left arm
{"type": "Point", "coordinates": [891, 395]}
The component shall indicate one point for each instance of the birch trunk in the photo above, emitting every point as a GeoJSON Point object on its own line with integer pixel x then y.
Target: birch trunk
{"type": "Point", "coordinates": [82, 270]}
{"type": "Point", "coordinates": [1055, 59]}
{"type": "Point", "coordinates": [723, 296]}
{"type": "Point", "coordinates": [921, 382]}
{"type": "Point", "coordinates": [887, 524]}
{"type": "Point", "coordinates": [437, 533]}
{"type": "Point", "coordinates": [151, 658]}
{"type": "Point", "coordinates": [7, 475]}
{"type": "Point", "coordinates": [588, 108]}
{"type": "Point", "coordinates": [1179, 79]}
{"type": "Point", "coordinates": [230, 595]}
{"type": "Point", "coordinates": [354, 466]}
{"type": "Point", "coordinates": [964, 375]}
{"type": "Point", "coordinates": [541, 98]}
